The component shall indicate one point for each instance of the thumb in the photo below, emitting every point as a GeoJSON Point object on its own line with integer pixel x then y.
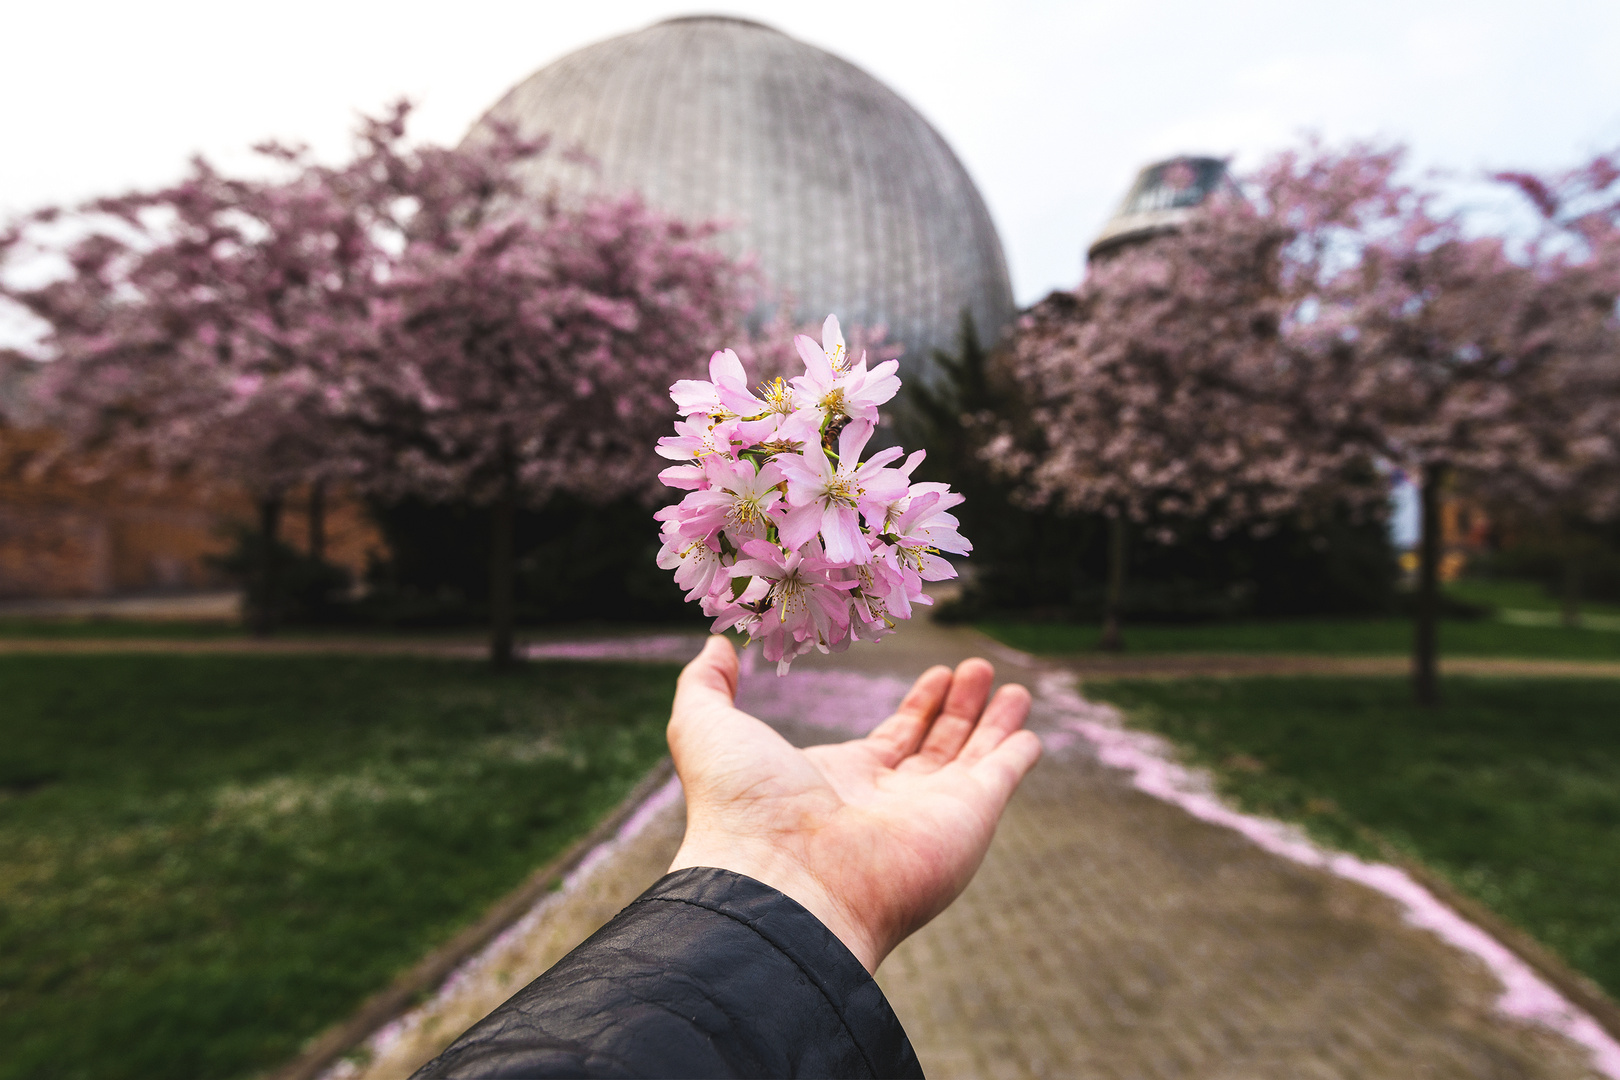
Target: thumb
{"type": "Point", "coordinates": [710, 679]}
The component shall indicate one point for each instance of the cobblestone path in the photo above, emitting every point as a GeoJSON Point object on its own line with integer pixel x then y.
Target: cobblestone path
{"type": "Point", "coordinates": [1108, 934]}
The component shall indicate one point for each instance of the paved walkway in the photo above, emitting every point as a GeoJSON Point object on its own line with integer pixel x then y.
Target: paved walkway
{"type": "Point", "coordinates": [1108, 933]}
{"type": "Point", "coordinates": [222, 606]}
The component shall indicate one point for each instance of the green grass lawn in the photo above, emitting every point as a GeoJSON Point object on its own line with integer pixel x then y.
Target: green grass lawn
{"type": "Point", "coordinates": [1344, 637]}
{"type": "Point", "coordinates": [206, 860]}
{"type": "Point", "coordinates": [1527, 603]}
{"type": "Point", "coordinates": [1520, 595]}
{"type": "Point", "coordinates": [1511, 789]}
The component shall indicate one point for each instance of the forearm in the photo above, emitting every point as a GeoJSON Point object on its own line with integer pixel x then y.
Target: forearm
{"type": "Point", "coordinates": [710, 973]}
{"type": "Point", "coordinates": [782, 870]}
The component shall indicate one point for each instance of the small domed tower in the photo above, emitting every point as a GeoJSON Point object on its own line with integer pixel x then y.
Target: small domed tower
{"type": "Point", "coordinates": [1164, 194]}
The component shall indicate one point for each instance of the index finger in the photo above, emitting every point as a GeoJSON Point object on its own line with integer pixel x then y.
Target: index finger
{"type": "Point", "coordinates": [710, 679]}
{"type": "Point", "coordinates": [898, 737]}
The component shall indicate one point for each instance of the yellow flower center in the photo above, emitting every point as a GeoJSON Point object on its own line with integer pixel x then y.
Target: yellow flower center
{"type": "Point", "coordinates": [841, 489]}
{"type": "Point", "coordinates": [778, 396]}
{"type": "Point", "coordinates": [746, 512]}
{"type": "Point", "coordinates": [788, 595]}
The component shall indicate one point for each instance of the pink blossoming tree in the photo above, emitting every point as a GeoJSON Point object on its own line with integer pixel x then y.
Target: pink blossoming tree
{"type": "Point", "coordinates": [1282, 348]}
{"type": "Point", "coordinates": [521, 348]}
{"type": "Point", "coordinates": [193, 332]}
{"type": "Point", "coordinates": [1158, 391]}
{"type": "Point", "coordinates": [1573, 483]}
{"type": "Point", "coordinates": [1457, 360]}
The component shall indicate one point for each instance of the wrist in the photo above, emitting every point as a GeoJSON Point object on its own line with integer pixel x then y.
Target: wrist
{"type": "Point", "coordinates": [778, 869]}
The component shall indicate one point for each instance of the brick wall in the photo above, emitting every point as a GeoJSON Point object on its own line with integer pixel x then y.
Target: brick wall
{"type": "Point", "coordinates": [62, 538]}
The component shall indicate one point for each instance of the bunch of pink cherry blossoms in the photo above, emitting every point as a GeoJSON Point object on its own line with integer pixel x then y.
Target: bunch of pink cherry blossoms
{"type": "Point", "coordinates": [787, 535]}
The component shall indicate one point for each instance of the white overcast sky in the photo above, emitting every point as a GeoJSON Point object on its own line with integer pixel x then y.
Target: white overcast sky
{"type": "Point", "coordinates": [1052, 106]}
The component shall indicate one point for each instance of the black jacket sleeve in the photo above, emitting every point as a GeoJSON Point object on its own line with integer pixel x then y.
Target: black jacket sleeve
{"type": "Point", "coordinates": [707, 974]}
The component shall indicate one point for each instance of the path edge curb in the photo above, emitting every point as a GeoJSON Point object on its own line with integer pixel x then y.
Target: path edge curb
{"type": "Point", "coordinates": [430, 971]}
{"type": "Point", "coordinates": [1576, 988]}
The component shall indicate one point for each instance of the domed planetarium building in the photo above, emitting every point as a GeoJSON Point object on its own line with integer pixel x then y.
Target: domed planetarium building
{"type": "Point", "coordinates": [848, 200]}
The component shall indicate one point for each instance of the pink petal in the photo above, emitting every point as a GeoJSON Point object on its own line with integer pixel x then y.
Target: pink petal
{"type": "Point", "coordinates": [832, 334]}
{"type": "Point", "coordinates": [724, 368]}
{"type": "Point", "coordinates": [764, 549]}
{"type": "Point", "coordinates": [883, 457]}
{"type": "Point", "coordinates": [852, 440]}
{"type": "Point", "coordinates": [799, 525]}
{"type": "Point", "coordinates": [815, 360]}
{"type": "Point", "coordinates": [693, 395]}
{"type": "Point", "coordinates": [841, 533]}
{"type": "Point", "coordinates": [756, 591]}
{"type": "Point", "coordinates": [682, 477]}
{"type": "Point", "coordinates": [803, 426]}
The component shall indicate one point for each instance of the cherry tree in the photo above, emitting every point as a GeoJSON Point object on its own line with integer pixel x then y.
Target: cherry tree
{"type": "Point", "coordinates": [1286, 347]}
{"type": "Point", "coordinates": [522, 347]}
{"type": "Point", "coordinates": [192, 330]}
{"type": "Point", "coordinates": [1158, 390]}
{"type": "Point", "coordinates": [1573, 483]}
{"type": "Point", "coordinates": [1439, 351]}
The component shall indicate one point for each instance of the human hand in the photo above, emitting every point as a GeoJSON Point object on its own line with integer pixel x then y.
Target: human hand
{"type": "Point", "coordinates": [873, 836]}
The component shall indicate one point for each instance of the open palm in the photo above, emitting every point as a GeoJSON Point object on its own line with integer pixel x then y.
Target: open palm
{"type": "Point", "coordinates": [874, 836]}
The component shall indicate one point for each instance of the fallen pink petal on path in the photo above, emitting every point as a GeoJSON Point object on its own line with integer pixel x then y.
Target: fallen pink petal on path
{"type": "Point", "coordinates": [823, 699]}
{"type": "Point", "coordinates": [675, 647]}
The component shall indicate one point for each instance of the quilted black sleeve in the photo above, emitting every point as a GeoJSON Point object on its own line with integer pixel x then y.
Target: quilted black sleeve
{"type": "Point", "coordinates": [707, 974]}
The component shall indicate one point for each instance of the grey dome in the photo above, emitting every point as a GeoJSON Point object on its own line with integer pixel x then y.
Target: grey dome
{"type": "Point", "coordinates": [842, 192]}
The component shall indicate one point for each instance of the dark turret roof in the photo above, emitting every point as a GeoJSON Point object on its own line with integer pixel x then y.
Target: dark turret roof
{"type": "Point", "coordinates": [1160, 200]}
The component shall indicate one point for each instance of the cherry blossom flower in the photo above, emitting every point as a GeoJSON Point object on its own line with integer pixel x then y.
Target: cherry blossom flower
{"type": "Point", "coordinates": [833, 387]}
{"type": "Point", "coordinates": [880, 595]}
{"type": "Point", "coordinates": [697, 566]}
{"type": "Point", "coordinates": [738, 498]}
{"type": "Point", "coordinates": [784, 426]}
{"type": "Point", "coordinates": [827, 499]}
{"type": "Point", "coordinates": [803, 608]}
{"type": "Point", "coordinates": [724, 395]}
{"type": "Point", "coordinates": [694, 441]}
{"type": "Point", "coordinates": [920, 533]}
{"type": "Point", "coordinates": [925, 526]}
{"type": "Point", "coordinates": [785, 534]}
{"type": "Point", "coordinates": [882, 519]}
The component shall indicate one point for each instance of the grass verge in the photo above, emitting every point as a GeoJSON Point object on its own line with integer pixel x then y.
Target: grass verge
{"type": "Point", "coordinates": [1326, 637]}
{"type": "Point", "coordinates": [204, 860]}
{"type": "Point", "coordinates": [1511, 790]}
{"type": "Point", "coordinates": [1521, 595]}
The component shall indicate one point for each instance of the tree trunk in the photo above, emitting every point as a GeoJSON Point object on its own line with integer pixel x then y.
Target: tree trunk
{"type": "Point", "coordinates": [1425, 639]}
{"type": "Point", "coordinates": [502, 574]}
{"type": "Point", "coordinates": [1572, 584]}
{"type": "Point", "coordinates": [1112, 641]}
{"type": "Point", "coordinates": [263, 609]}
{"type": "Point", "coordinates": [317, 521]}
